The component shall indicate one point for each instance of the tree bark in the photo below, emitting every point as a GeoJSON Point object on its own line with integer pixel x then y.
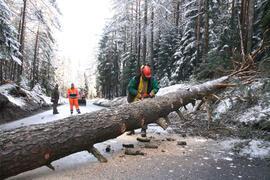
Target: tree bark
{"type": "Point", "coordinates": [232, 12]}
{"type": "Point", "coordinates": [206, 31]}
{"type": "Point", "coordinates": [250, 25]}
{"type": "Point", "coordinates": [152, 41]}
{"type": "Point", "coordinates": [243, 22]}
{"type": "Point", "coordinates": [1, 71]}
{"type": "Point", "coordinates": [145, 33]}
{"type": "Point", "coordinates": [35, 61]}
{"type": "Point", "coordinates": [29, 147]}
{"type": "Point", "coordinates": [177, 14]}
{"type": "Point", "coordinates": [198, 34]}
{"type": "Point", "coordinates": [139, 38]}
{"type": "Point", "coordinates": [22, 36]}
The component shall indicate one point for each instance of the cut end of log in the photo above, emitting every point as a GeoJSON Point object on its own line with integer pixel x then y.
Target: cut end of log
{"type": "Point", "coordinates": [162, 124]}
{"type": "Point", "coordinates": [172, 106]}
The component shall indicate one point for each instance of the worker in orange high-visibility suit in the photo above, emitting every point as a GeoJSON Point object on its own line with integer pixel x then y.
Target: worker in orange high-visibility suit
{"type": "Point", "coordinates": [73, 98]}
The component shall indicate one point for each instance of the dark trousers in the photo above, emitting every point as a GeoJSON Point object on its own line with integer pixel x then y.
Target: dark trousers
{"type": "Point", "coordinates": [55, 103]}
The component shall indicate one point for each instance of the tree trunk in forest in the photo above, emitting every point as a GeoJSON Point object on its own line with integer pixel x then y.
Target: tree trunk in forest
{"type": "Point", "coordinates": [198, 34]}
{"type": "Point", "coordinates": [206, 31]}
{"type": "Point", "coordinates": [145, 33]}
{"type": "Point", "coordinates": [29, 147]}
{"type": "Point", "coordinates": [177, 14]}
{"type": "Point", "coordinates": [232, 10]}
{"type": "Point", "coordinates": [139, 38]}
{"type": "Point", "coordinates": [6, 70]}
{"type": "Point", "coordinates": [20, 25]}
{"type": "Point", "coordinates": [136, 32]}
{"type": "Point", "coordinates": [1, 71]}
{"type": "Point", "coordinates": [131, 31]}
{"type": "Point", "coordinates": [152, 41]}
{"type": "Point", "coordinates": [35, 61]}
{"type": "Point", "coordinates": [243, 22]}
{"type": "Point", "coordinates": [158, 47]}
{"type": "Point", "coordinates": [250, 25]}
{"type": "Point", "coordinates": [22, 36]}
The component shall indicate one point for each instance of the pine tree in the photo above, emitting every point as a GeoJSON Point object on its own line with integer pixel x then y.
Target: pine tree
{"type": "Point", "coordinates": [9, 46]}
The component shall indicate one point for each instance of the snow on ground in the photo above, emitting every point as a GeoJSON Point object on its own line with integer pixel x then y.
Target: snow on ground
{"type": "Point", "coordinates": [255, 114]}
{"type": "Point", "coordinates": [47, 116]}
{"type": "Point", "coordinates": [252, 148]}
{"type": "Point", "coordinates": [35, 95]}
{"type": "Point", "coordinates": [4, 89]}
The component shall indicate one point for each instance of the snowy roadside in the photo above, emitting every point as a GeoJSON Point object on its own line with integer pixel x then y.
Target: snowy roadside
{"type": "Point", "coordinates": [242, 110]}
{"type": "Point", "coordinates": [23, 102]}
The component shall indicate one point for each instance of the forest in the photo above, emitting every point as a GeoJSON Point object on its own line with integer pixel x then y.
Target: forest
{"type": "Point", "coordinates": [180, 40]}
{"type": "Point", "coordinates": [27, 40]}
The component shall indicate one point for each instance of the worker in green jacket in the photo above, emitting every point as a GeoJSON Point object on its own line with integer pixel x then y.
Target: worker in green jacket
{"type": "Point", "coordinates": [140, 87]}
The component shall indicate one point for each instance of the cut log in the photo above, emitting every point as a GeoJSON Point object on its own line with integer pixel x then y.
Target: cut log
{"type": "Point", "coordinates": [30, 147]}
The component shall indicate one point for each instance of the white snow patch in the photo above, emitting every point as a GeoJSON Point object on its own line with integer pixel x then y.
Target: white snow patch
{"type": "Point", "coordinates": [228, 159]}
{"type": "Point", "coordinates": [254, 114]}
{"type": "Point", "coordinates": [254, 149]}
{"type": "Point", "coordinates": [4, 89]}
{"type": "Point", "coordinates": [172, 89]}
{"type": "Point", "coordinates": [201, 140]}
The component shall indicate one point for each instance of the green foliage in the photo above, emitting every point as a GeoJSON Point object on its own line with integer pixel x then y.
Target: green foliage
{"type": "Point", "coordinates": [264, 67]}
{"type": "Point", "coordinates": [240, 145]}
{"type": "Point", "coordinates": [217, 65]}
{"type": "Point", "coordinates": [168, 44]}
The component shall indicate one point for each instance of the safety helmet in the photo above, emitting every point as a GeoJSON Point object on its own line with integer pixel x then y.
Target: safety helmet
{"type": "Point", "coordinates": [146, 71]}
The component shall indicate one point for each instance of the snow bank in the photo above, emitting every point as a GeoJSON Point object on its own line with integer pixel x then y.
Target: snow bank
{"type": "Point", "coordinates": [4, 90]}
{"type": "Point", "coordinates": [17, 103]}
{"type": "Point", "coordinates": [250, 148]}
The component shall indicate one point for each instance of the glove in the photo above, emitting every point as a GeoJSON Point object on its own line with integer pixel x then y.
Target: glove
{"type": "Point", "coordinates": [152, 93]}
{"type": "Point", "coordinates": [145, 96]}
{"type": "Point", "coordinates": [139, 96]}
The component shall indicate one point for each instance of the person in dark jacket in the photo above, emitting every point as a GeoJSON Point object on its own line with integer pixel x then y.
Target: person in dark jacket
{"type": "Point", "coordinates": [55, 98]}
{"type": "Point", "coordinates": [140, 87]}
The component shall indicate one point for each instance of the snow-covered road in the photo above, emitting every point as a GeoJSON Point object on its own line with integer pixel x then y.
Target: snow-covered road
{"type": "Point", "coordinates": [47, 116]}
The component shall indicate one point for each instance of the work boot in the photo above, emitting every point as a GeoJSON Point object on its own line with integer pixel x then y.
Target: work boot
{"type": "Point", "coordinates": [71, 111]}
{"type": "Point", "coordinates": [78, 111]}
{"type": "Point", "coordinates": [131, 133]}
{"type": "Point", "coordinates": [143, 133]}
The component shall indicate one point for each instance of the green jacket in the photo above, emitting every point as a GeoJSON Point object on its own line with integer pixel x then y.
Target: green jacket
{"type": "Point", "coordinates": [134, 83]}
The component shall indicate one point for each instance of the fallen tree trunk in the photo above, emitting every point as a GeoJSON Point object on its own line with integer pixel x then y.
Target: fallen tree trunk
{"type": "Point", "coordinates": [30, 147]}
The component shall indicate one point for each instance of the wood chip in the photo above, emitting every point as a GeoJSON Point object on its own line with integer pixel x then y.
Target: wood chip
{"type": "Point", "coordinates": [146, 139]}
{"type": "Point", "coordinates": [128, 145]}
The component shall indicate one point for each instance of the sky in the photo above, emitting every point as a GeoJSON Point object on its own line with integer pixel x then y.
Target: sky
{"type": "Point", "coordinates": [82, 24]}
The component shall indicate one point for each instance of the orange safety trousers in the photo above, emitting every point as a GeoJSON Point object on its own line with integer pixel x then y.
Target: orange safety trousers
{"type": "Point", "coordinates": [73, 102]}
{"type": "Point", "coordinates": [73, 98]}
